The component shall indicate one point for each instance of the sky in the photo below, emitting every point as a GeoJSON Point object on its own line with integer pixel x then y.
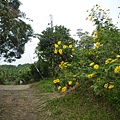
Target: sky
{"type": "Point", "coordinates": [70, 13]}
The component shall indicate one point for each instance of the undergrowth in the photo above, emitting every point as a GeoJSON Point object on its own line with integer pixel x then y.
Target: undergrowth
{"type": "Point", "coordinates": [81, 104]}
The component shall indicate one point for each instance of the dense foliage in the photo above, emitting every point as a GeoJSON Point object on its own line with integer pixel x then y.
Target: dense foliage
{"type": "Point", "coordinates": [48, 60]}
{"type": "Point", "coordinates": [10, 74]}
{"type": "Point", "coordinates": [98, 64]}
{"type": "Point", "coordinates": [14, 32]}
{"type": "Point", "coordinates": [94, 59]}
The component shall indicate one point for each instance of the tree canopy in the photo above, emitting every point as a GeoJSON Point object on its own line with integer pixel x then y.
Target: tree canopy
{"type": "Point", "coordinates": [45, 49]}
{"type": "Point", "coordinates": [14, 32]}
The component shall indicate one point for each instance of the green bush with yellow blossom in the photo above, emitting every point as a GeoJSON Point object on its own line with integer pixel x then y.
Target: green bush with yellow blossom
{"type": "Point", "coordinates": [98, 65]}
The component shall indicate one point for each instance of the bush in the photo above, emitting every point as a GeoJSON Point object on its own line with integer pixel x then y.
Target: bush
{"type": "Point", "coordinates": [98, 64]}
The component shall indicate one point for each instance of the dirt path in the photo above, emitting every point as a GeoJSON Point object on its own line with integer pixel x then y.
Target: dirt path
{"type": "Point", "coordinates": [24, 104]}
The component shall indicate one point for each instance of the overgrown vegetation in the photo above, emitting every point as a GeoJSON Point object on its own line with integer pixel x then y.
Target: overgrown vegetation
{"type": "Point", "coordinates": [10, 74]}
{"type": "Point", "coordinates": [90, 64]}
{"type": "Point", "coordinates": [98, 63]}
{"type": "Point", "coordinates": [79, 104]}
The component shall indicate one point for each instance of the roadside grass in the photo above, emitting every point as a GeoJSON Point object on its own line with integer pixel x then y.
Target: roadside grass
{"type": "Point", "coordinates": [81, 104]}
{"type": "Point", "coordinates": [45, 86]}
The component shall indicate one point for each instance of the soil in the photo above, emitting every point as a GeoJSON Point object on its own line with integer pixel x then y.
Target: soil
{"type": "Point", "coordinates": [24, 104]}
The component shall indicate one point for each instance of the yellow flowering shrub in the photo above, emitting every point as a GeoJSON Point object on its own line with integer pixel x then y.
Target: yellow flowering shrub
{"type": "Point", "coordinates": [117, 56]}
{"type": "Point", "coordinates": [117, 69]}
{"type": "Point", "coordinates": [55, 51]}
{"type": "Point", "coordinates": [64, 89]}
{"type": "Point", "coordinates": [56, 46]}
{"type": "Point", "coordinates": [99, 65]}
{"type": "Point", "coordinates": [64, 46]}
{"type": "Point", "coordinates": [108, 61]}
{"type": "Point", "coordinates": [69, 82]}
{"type": "Point", "coordinates": [111, 86]}
{"type": "Point", "coordinates": [96, 66]}
{"type": "Point", "coordinates": [106, 85]}
{"type": "Point", "coordinates": [59, 87]}
{"type": "Point", "coordinates": [90, 75]}
{"type": "Point", "coordinates": [59, 42]}
{"type": "Point", "coordinates": [73, 49]}
{"type": "Point", "coordinates": [70, 46]}
{"type": "Point", "coordinates": [91, 64]}
{"type": "Point", "coordinates": [60, 51]}
{"type": "Point", "coordinates": [97, 44]}
{"type": "Point", "coordinates": [64, 65]}
{"type": "Point", "coordinates": [56, 81]}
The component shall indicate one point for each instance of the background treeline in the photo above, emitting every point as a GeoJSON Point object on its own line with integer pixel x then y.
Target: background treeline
{"type": "Point", "coordinates": [11, 74]}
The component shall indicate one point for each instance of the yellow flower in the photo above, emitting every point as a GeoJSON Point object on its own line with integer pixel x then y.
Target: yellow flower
{"type": "Point", "coordinates": [60, 66]}
{"type": "Point", "coordinates": [73, 49]}
{"type": "Point", "coordinates": [97, 44]}
{"type": "Point", "coordinates": [56, 46]}
{"type": "Point", "coordinates": [117, 69]}
{"type": "Point", "coordinates": [64, 46]}
{"type": "Point", "coordinates": [68, 64]}
{"type": "Point", "coordinates": [114, 60]}
{"type": "Point", "coordinates": [106, 85]}
{"type": "Point", "coordinates": [56, 81]}
{"type": "Point", "coordinates": [60, 51]}
{"type": "Point", "coordinates": [64, 89]}
{"type": "Point", "coordinates": [59, 87]}
{"type": "Point", "coordinates": [111, 86]}
{"type": "Point", "coordinates": [70, 46]}
{"type": "Point", "coordinates": [90, 75]}
{"type": "Point", "coordinates": [96, 66]}
{"type": "Point", "coordinates": [55, 51]}
{"type": "Point", "coordinates": [59, 42]}
{"type": "Point", "coordinates": [91, 64]}
{"type": "Point", "coordinates": [108, 61]}
{"type": "Point", "coordinates": [118, 56]}
{"type": "Point", "coordinates": [98, 79]}
{"type": "Point", "coordinates": [64, 65]}
{"type": "Point", "coordinates": [69, 82]}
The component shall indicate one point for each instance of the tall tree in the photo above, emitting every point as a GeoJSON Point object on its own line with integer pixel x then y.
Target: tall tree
{"type": "Point", "coordinates": [45, 49]}
{"type": "Point", "coordinates": [85, 39]}
{"type": "Point", "coordinates": [14, 32]}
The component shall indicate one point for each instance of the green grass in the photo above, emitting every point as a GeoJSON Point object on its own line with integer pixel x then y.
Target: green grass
{"type": "Point", "coordinates": [45, 86]}
{"type": "Point", "coordinates": [79, 105]}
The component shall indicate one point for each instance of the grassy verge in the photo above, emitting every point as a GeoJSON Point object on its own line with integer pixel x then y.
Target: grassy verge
{"type": "Point", "coordinates": [79, 105]}
{"type": "Point", "coordinates": [45, 86]}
